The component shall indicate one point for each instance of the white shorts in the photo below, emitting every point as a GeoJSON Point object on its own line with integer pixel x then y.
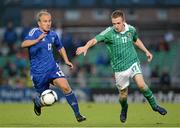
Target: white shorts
{"type": "Point", "coordinates": [122, 78]}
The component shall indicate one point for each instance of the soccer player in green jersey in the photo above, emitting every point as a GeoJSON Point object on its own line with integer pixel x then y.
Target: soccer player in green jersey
{"type": "Point", "coordinates": [120, 40]}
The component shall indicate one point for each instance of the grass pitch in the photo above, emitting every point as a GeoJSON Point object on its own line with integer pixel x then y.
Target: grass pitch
{"type": "Point", "coordinates": [98, 115]}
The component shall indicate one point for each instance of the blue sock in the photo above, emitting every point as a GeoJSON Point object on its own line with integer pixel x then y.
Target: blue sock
{"type": "Point", "coordinates": [71, 99]}
{"type": "Point", "coordinates": [38, 101]}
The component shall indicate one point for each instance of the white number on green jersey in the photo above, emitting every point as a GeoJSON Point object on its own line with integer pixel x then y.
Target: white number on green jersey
{"type": "Point", "coordinates": [124, 39]}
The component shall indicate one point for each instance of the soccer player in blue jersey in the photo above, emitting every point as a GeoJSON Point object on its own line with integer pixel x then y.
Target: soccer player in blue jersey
{"type": "Point", "coordinates": [44, 70]}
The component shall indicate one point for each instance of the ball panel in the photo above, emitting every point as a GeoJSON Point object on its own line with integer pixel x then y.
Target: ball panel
{"type": "Point", "coordinates": [48, 97]}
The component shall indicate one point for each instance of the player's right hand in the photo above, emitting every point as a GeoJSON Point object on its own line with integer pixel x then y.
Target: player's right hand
{"type": "Point", "coordinates": [81, 50]}
{"type": "Point", "coordinates": [70, 64]}
{"type": "Point", "coordinates": [149, 56]}
{"type": "Point", "coordinates": [41, 36]}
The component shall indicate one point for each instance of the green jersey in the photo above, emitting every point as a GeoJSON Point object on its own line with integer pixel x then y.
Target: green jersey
{"type": "Point", "coordinates": [120, 46]}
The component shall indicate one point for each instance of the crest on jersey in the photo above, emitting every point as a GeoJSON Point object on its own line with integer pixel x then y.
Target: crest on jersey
{"type": "Point", "coordinates": [129, 34]}
{"type": "Point", "coordinates": [53, 39]}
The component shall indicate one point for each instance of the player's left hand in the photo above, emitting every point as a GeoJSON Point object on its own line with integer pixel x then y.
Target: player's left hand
{"type": "Point", "coordinates": [70, 64]}
{"type": "Point", "coordinates": [81, 50]}
{"type": "Point", "coordinates": [149, 56]}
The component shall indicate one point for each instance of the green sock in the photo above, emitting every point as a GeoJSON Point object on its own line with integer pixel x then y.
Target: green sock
{"type": "Point", "coordinates": [149, 96]}
{"type": "Point", "coordinates": [123, 103]}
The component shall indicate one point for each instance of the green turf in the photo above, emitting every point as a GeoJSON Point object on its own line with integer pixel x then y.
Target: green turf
{"type": "Point", "coordinates": [98, 115]}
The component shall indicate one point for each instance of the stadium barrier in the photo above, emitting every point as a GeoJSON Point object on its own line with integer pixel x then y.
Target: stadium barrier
{"type": "Point", "coordinates": [98, 95]}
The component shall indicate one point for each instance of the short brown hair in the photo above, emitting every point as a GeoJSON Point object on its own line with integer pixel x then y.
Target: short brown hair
{"type": "Point", "coordinates": [40, 13]}
{"type": "Point", "coordinates": [118, 13]}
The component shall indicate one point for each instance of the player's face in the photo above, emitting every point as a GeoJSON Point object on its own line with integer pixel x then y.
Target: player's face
{"type": "Point", "coordinates": [45, 22]}
{"type": "Point", "coordinates": [118, 24]}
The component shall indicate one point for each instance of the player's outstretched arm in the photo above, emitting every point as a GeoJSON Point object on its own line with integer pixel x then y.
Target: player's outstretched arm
{"type": "Point", "coordinates": [63, 53]}
{"type": "Point", "coordinates": [141, 46]}
{"type": "Point", "coordinates": [28, 43]}
{"type": "Point", "coordinates": [84, 48]}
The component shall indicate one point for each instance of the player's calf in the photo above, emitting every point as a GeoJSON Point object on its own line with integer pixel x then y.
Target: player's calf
{"type": "Point", "coordinates": [123, 115]}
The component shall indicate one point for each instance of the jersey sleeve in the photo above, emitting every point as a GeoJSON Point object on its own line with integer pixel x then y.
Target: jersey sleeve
{"type": "Point", "coordinates": [103, 35]}
{"type": "Point", "coordinates": [135, 35]}
{"type": "Point", "coordinates": [57, 42]}
{"type": "Point", "coordinates": [32, 35]}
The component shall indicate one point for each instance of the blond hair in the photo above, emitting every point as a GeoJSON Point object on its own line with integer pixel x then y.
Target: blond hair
{"type": "Point", "coordinates": [40, 13]}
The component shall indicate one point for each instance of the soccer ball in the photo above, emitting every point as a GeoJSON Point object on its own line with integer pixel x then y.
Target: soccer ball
{"type": "Point", "coordinates": [48, 97]}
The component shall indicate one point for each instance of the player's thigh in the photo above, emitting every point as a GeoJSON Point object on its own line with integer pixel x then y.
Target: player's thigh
{"type": "Point", "coordinates": [40, 82]}
{"type": "Point", "coordinates": [138, 78]}
{"type": "Point", "coordinates": [122, 79]}
{"type": "Point", "coordinates": [63, 84]}
{"type": "Point", "coordinates": [58, 78]}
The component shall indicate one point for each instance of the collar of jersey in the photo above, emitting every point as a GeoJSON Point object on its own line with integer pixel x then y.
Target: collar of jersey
{"type": "Point", "coordinates": [126, 28]}
{"type": "Point", "coordinates": [42, 31]}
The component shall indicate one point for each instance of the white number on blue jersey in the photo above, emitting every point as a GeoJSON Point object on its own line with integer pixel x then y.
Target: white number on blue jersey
{"type": "Point", "coordinates": [60, 73]}
{"type": "Point", "coordinates": [49, 46]}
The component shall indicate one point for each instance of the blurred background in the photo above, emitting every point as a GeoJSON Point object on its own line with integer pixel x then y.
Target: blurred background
{"type": "Point", "coordinates": [77, 21]}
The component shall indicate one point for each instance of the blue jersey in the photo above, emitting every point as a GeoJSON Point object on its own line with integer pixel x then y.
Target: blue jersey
{"type": "Point", "coordinates": [40, 54]}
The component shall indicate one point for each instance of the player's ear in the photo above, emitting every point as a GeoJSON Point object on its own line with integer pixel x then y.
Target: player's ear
{"type": "Point", "coordinates": [38, 23]}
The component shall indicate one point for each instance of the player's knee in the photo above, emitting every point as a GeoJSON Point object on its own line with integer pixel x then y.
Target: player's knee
{"type": "Point", "coordinates": [142, 86]}
{"type": "Point", "coordinates": [66, 89]}
{"type": "Point", "coordinates": [123, 94]}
